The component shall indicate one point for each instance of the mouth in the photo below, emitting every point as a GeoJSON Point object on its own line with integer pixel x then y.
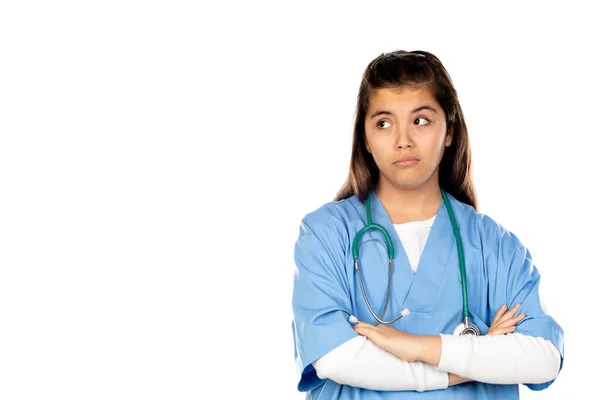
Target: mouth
{"type": "Point", "coordinates": [406, 161]}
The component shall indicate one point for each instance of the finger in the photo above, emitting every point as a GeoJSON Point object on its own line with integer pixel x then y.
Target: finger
{"type": "Point", "coordinates": [499, 314]}
{"type": "Point", "coordinates": [512, 321]}
{"type": "Point", "coordinates": [510, 313]}
{"type": "Point", "coordinates": [363, 330]}
{"type": "Point", "coordinates": [503, 330]}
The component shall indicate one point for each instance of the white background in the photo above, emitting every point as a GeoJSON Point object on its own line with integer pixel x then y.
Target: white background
{"type": "Point", "coordinates": [156, 159]}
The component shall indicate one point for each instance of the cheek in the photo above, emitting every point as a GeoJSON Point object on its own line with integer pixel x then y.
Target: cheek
{"type": "Point", "coordinates": [435, 144]}
{"type": "Point", "coordinates": [375, 145]}
{"type": "Point", "coordinates": [380, 151]}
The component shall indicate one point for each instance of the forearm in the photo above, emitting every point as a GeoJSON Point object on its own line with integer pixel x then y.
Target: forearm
{"type": "Point", "coordinates": [515, 358]}
{"type": "Point", "coordinates": [431, 348]}
{"type": "Point", "coordinates": [360, 363]}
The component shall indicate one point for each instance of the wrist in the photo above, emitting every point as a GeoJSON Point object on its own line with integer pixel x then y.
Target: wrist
{"type": "Point", "coordinates": [429, 349]}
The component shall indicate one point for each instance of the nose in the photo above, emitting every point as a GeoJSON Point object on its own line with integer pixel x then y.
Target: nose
{"type": "Point", "coordinates": [404, 138]}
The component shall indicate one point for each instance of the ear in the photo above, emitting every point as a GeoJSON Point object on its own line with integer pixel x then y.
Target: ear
{"type": "Point", "coordinates": [449, 137]}
{"type": "Point", "coordinates": [367, 146]}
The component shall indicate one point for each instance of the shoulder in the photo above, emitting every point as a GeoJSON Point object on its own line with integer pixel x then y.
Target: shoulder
{"type": "Point", "coordinates": [330, 219]}
{"type": "Point", "coordinates": [492, 233]}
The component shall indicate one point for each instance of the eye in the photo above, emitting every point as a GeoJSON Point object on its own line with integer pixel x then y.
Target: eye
{"type": "Point", "coordinates": [425, 119]}
{"type": "Point", "coordinates": [382, 122]}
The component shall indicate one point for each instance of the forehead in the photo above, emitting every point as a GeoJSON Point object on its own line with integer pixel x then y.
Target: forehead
{"type": "Point", "coordinates": [401, 99]}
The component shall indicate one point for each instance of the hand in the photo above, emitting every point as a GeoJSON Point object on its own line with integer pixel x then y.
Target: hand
{"type": "Point", "coordinates": [505, 322]}
{"type": "Point", "coordinates": [401, 344]}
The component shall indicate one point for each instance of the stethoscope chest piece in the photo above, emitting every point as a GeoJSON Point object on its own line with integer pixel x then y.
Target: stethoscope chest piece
{"type": "Point", "coordinates": [468, 329]}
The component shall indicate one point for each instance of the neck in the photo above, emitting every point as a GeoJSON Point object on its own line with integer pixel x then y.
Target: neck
{"type": "Point", "coordinates": [413, 204]}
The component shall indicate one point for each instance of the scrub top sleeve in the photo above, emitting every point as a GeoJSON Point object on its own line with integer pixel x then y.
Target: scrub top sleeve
{"type": "Point", "coordinates": [518, 281]}
{"type": "Point", "coordinates": [321, 296]}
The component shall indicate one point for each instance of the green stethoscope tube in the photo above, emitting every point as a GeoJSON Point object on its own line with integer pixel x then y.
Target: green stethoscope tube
{"type": "Point", "coordinates": [461, 256]}
{"type": "Point", "coordinates": [468, 328]}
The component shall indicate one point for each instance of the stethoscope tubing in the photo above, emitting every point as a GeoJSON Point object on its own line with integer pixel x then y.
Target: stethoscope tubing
{"type": "Point", "coordinates": [468, 327]}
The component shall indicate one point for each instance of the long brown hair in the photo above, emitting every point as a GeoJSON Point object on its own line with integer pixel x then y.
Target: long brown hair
{"type": "Point", "coordinates": [415, 69]}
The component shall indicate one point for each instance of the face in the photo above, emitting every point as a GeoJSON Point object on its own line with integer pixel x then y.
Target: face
{"type": "Point", "coordinates": [406, 124]}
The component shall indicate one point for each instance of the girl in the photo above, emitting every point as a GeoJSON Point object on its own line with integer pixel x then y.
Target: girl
{"type": "Point", "coordinates": [435, 284]}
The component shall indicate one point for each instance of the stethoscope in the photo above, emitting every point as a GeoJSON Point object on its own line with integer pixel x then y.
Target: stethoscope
{"type": "Point", "coordinates": [464, 328]}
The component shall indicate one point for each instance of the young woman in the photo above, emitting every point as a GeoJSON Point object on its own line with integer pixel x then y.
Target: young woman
{"type": "Point", "coordinates": [435, 284]}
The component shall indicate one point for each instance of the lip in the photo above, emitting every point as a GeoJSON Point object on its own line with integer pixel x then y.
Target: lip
{"type": "Point", "coordinates": [406, 161]}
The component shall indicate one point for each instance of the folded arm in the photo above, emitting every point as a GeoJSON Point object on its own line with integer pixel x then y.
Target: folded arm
{"type": "Point", "coordinates": [516, 358]}
{"type": "Point", "coordinates": [443, 361]}
{"type": "Point", "coordinates": [360, 363]}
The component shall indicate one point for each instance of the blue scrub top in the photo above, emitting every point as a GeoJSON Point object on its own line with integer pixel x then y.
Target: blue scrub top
{"type": "Point", "coordinates": [327, 291]}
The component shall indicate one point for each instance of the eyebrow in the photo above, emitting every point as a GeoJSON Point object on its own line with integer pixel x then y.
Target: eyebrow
{"type": "Point", "coordinates": [386, 112]}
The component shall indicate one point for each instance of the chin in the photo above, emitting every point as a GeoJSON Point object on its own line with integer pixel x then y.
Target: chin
{"type": "Point", "coordinates": [407, 179]}
{"type": "Point", "coordinates": [406, 186]}
{"type": "Point", "coordinates": [409, 183]}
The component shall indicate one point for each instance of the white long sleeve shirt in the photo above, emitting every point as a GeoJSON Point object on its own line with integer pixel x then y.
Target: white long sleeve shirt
{"type": "Point", "coordinates": [517, 358]}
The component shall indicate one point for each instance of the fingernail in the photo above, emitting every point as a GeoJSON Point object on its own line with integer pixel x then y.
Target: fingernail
{"type": "Point", "coordinates": [503, 306]}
